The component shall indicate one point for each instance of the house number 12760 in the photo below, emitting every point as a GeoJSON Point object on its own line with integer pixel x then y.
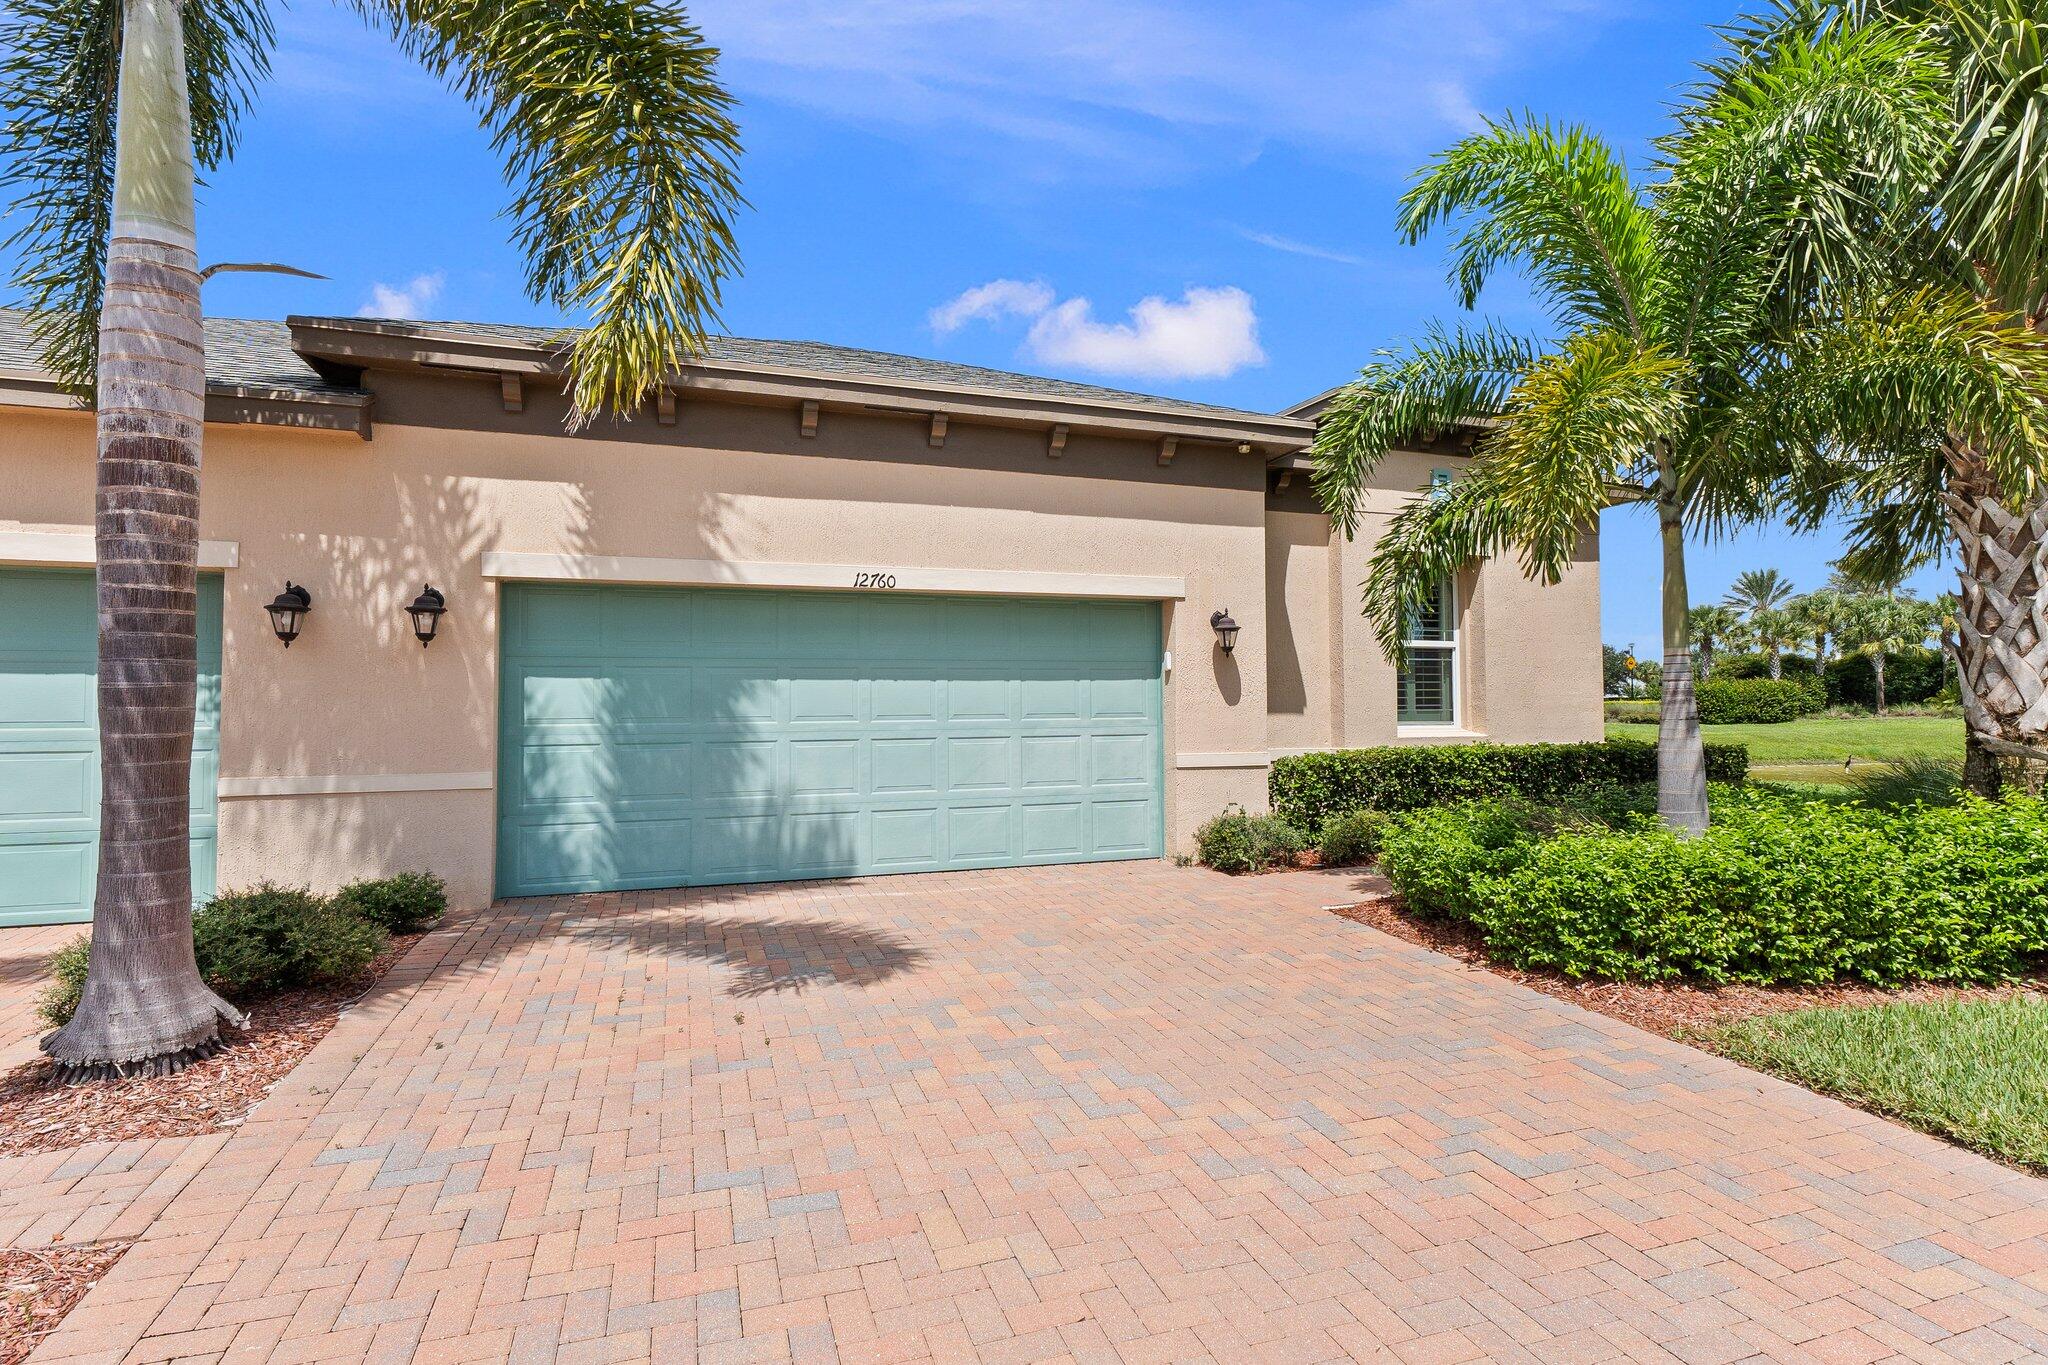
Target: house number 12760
{"type": "Point", "coordinates": [873, 578]}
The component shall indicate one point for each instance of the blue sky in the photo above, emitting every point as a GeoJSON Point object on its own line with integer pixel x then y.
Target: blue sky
{"type": "Point", "coordinates": [1003, 182]}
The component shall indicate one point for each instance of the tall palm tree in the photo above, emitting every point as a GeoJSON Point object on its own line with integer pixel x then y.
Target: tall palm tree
{"type": "Point", "coordinates": [1978, 232]}
{"type": "Point", "coordinates": [1676, 304]}
{"type": "Point", "coordinates": [620, 146]}
{"type": "Point", "coordinates": [1772, 630]}
{"type": "Point", "coordinates": [1756, 590]}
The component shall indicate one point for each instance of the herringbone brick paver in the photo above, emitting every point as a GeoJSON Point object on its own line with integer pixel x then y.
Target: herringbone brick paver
{"type": "Point", "coordinates": [1122, 1112]}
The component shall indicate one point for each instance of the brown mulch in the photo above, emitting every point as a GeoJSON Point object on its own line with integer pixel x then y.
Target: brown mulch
{"type": "Point", "coordinates": [39, 1115]}
{"type": "Point", "coordinates": [37, 1288]}
{"type": "Point", "coordinates": [1684, 1011]}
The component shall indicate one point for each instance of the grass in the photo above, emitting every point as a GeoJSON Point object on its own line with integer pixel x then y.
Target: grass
{"type": "Point", "coordinates": [1971, 1070]}
{"type": "Point", "coordinates": [1830, 739]}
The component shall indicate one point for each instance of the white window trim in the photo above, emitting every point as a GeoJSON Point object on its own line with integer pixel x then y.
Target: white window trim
{"type": "Point", "coordinates": [1451, 646]}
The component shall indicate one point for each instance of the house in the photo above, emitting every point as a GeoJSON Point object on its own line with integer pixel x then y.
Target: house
{"type": "Point", "coordinates": [813, 612]}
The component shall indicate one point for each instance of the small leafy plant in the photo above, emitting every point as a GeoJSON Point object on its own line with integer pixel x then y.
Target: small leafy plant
{"type": "Point", "coordinates": [401, 904]}
{"type": "Point", "coordinates": [1237, 842]}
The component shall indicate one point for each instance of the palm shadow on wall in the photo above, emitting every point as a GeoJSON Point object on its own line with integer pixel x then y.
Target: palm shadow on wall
{"type": "Point", "coordinates": [766, 956]}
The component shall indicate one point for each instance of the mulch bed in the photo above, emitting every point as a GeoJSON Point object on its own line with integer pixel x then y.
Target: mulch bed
{"type": "Point", "coordinates": [39, 1115]}
{"type": "Point", "coordinates": [37, 1288]}
{"type": "Point", "coordinates": [1683, 1012]}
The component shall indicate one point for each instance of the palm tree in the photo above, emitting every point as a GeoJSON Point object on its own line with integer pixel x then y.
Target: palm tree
{"type": "Point", "coordinates": [1817, 616]}
{"type": "Point", "coordinates": [1756, 590]}
{"type": "Point", "coordinates": [1712, 629]}
{"type": "Point", "coordinates": [1760, 595]}
{"type": "Point", "coordinates": [1977, 234]}
{"type": "Point", "coordinates": [619, 142]}
{"type": "Point", "coordinates": [1676, 304]}
{"type": "Point", "coordinates": [1877, 624]}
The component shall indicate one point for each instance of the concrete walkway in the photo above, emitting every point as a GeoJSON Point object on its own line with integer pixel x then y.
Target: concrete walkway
{"type": "Point", "coordinates": [1123, 1112]}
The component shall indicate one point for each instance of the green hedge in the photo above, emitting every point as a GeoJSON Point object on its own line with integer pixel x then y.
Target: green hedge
{"type": "Point", "coordinates": [1780, 889]}
{"type": "Point", "coordinates": [1759, 701]}
{"type": "Point", "coordinates": [1309, 788]}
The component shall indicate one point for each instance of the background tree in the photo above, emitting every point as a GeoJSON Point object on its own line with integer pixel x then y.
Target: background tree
{"type": "Point", "coordinates": [1714, 629]}
{"type": "Point", "coordinates": [1673, 303]}
{"type": "Point", "coordinates": [1772, 630]}
{"type": "Point", "coordinates": [1876, 624]}
{"type": "Point", "coordinates": [1817, 616]}
{"type": "Point", "coordinates": [1756, 590]}
{"type": "Point", "coordinates": [622, 153]}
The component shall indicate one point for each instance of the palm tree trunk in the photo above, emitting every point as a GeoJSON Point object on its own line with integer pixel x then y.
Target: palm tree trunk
{"type": "Point", "coordinates": [1877, 674]}
{"type": "Point", "coordinates": [145, 1007]}
{"type": "Point", "coordinates": [1681, 753]}
{"type": "Point", "coordinates": [2002, 628]}
{"type": "Point", "coordinates": [1777, 665]}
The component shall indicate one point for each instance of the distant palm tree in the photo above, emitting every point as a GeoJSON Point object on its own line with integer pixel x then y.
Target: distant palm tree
{"type": "Point", "coordinates": [1772, 630]}
{"type": "Point", "coordinates": [1877, 625]}
{"type": "Point", "coordinates": [1817, 616]}
{"type": "Point", "coordinates": [1713, 627]}
{"type": "Point", "coordinates": [621, 149]}
{"type": "Point", "coordinates": [1756, 590]}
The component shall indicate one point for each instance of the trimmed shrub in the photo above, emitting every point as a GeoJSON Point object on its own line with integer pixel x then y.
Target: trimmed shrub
{"type": "Point", "coordinates": [273, 938]}
{"type": "Point", "coordinates": [59, 1000]}
{"type": "Point", "coordinates": [1353, 837]}
{"type": "Point", "coordinates": [1237, 842]}
{"type": "Point", "coordinates": [1779, 889]}
{"type": "Point", "coordinates": [1632, 712]}
{"type": "Point", "coordinates": [1758, 701]}
{"type": "Point", "coordinates": [1911, 675]}
{"type": "Point", "coordinates": [1309, 788]}
{"type": "Point", "coordinates": [1759, 666]}
{"type": "Point", "coordinates": [402, 904]}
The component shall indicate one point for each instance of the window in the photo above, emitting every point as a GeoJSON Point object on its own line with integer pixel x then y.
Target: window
{"type": "Point", "coordinates": [1428, 685]}
{"type": "Point", "coordinates": [1429, 693]}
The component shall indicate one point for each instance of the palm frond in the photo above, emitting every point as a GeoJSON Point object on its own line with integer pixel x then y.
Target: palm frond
{"type": "Point", "coordinates": [1995, 203]}
{"type": "Point", "coordinates": [1450, 376]}
{"type": "Point", "coordinates": [623, 154]}
{"type": "Point", "coordinates": [60, 64]}
{"type": "Point", "coordinates": [1790, 170]}
{"type": "Point", "coordinates": [1882, 385]}
{"type": "Point", "coordinates": [1558, 203]}
{"type": "Point", "coordinates": [1579, 420]}
{"type": "Point", "coordinates": [1427, 541]}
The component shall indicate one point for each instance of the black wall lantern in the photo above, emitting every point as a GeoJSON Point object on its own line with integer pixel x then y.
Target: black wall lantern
{"type": "Point", "coordinates": [426, 612]}
{"type": "Point", "coordinates": [288, 610]}
{"type": "Point", "coordinates": [1225, 628]}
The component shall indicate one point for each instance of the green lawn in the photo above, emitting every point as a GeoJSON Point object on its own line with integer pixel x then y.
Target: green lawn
{"type": "Point", "coordinates": [1973, 1070]}
{"type": "Point", "coordinates": [1830, 739]}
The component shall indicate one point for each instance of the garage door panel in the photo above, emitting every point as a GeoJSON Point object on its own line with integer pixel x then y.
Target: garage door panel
{"type": "Point", "coordinates": [49, 744]}
{"type": "Point", "coordinates": [1125, 827]}
{"type": "Point", "coordinates": [777, 735]}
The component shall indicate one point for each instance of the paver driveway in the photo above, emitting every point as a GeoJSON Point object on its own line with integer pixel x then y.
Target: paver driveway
{"type": "Point", "coordinates": [1109, 1111]}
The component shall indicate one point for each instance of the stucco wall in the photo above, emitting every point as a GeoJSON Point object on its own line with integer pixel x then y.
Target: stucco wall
{"type": "Point", "coordinates": [363, 525]}
{"type": "Point", "coordinates": [450, 476]}
{"type": "Point", "coordinates": [1528, 654]}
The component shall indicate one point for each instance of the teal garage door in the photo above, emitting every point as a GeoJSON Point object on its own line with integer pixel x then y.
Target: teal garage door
{"type": "Point", "coordinates": [49, 745]}
{"type": "Point", "coordinates": [668, 737]}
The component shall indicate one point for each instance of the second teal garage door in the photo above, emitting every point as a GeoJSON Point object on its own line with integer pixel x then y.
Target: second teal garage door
{"type": "Point", "coordinates": [668, 737]}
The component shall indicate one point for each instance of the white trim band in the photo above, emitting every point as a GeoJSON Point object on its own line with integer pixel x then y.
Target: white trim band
{"type": "Point", "coordinates": [881, 577]}
{"type": "Point", "coordinates": [351, 784]}
{"type": "Point", "coordinates": [69, 549]}
{"type": "Point", "coordinates": [1238, 760]}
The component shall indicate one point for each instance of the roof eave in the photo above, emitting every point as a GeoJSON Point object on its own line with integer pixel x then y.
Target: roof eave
{"type": "Point", "coordinates": [238, 404]}
{"type": "Point", "coordinates": [373, 344]}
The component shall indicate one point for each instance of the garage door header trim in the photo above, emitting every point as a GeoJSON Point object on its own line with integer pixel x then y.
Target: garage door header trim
{"type": "Point", "coordinates": [739, 573]}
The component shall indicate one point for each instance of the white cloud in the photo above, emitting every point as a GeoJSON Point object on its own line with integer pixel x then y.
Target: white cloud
{"type": "Point", "coordinates": [997, 298]}
{"type": "Point", "coordinates": [408, 300]}
{"type": "Point", "coordinates": [1208, 333]}
{"type": "Point", "coordinates": [1292, 247]}
{"type": "Point", "coordinates": [1157, 89]}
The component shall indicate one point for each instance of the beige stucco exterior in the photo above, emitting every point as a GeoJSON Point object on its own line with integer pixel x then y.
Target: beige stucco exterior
{"type": "Point", "coordinates": [357, 752]}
